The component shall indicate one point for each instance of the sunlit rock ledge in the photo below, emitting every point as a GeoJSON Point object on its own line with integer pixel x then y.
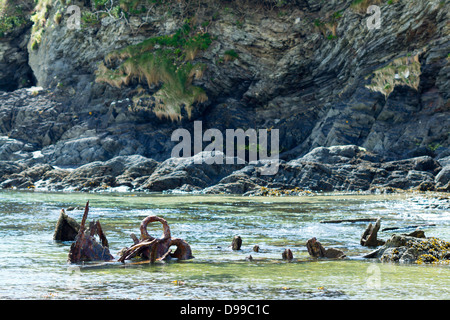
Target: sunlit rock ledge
{"type": "Point", "coordinates": [325, 169]}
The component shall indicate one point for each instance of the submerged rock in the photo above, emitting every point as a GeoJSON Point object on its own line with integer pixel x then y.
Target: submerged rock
{"type": "Point", "coordinates": [317, 250]}
{"type": "Point", "coordinates": [287, 255]}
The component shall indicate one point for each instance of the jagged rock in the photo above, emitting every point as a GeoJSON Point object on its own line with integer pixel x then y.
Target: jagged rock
{"type": "Point", "coordinates": [14, 70]}
{"type": "Point", "coordinates": [99, 173]}
{"type": "Point", "coordinates": [186, 175]}
{"type": "Point", "coordinates": [195, 171]}
{"type": "Point", "coordinates": [369, 237]}
{"type": "Point", "coordinates": [442, 179]}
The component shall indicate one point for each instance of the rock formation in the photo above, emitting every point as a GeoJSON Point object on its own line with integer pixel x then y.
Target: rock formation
{"type": "Point", "coordinates": [357, 109]}
{"type": "Point", "coordinates": [369, 237]}
{"type": "Point", "coordinates": [411, 249]}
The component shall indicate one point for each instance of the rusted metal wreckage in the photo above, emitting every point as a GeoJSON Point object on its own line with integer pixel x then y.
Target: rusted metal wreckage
{"type": "Point", "coordinates": [86, 248]}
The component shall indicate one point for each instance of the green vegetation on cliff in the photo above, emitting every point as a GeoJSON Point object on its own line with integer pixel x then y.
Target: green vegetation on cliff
{"type": "Point", "coordinates": [166, 61]}
{"type": "Point", "coordinates": [39, 18]}
{"type": "Point", "coordinates": [401, 71]}
{"type": "Point", "coordinates": [13, 14]}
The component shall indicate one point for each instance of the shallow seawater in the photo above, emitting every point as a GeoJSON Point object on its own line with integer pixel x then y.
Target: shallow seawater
{"type": "Point", "coordinates": [33, 266]}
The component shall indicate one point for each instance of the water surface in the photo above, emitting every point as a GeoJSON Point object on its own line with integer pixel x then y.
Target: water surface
{"type": "Point", "coordinates": [33, 266]}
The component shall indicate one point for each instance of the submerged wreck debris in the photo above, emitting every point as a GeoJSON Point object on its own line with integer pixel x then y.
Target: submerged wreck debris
{"type": "Point", "coordinates": [236, 243]}
{"type": "Point", "coordinates": [407, 249]}
{"type": "Point", "coordinates": [287, 255]}
{"type": "Point", "coordinates": [66, 228]}
{"type": "Point", "coordinates": [369, 237]}
{"type": "Point", "coordinates": [85, 247]}
{"type": "Point", "coordinates": [349, 220]}
{"type": "Point", "coordinates": [316, 250]}
{"type": "Point", "coordinates": [153, 249]}
{"type": "Point", "coordinates": [410, 227]}
{"type": "Point", "coordinates": [413, 247]}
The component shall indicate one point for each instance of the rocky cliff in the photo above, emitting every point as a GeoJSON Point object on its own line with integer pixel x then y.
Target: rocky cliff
{"type": "Point", "coordinates": [137, 70]}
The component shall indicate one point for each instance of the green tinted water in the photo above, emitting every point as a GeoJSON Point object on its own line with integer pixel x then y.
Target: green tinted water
{"type": "Point", "coordinates": [33, 266]}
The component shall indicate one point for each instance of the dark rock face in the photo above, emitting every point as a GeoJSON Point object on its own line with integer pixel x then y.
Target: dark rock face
{"type": "Point", "coordinates": [195, 171]}
{"type": "Point", "coordinates": [336, 132]}
{"type": "Point", "coordinates": [15, 72]}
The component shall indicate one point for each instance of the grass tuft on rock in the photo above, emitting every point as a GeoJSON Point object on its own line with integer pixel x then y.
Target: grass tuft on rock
{"type": "Point", "coordinates": [164, 61]}
{"type": "Point", "coordinates": [401, 71]}
{"type": "Point", "coordinates": [13, 15]}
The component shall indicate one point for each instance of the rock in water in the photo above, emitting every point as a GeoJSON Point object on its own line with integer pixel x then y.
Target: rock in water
{"type": "Point", "coordinates": [236, 244]}
{"type": "Point", "coordinates": [287, 255]}
{"type": "Point", "coordinates": [369, 237]}
{"type": "Point", "coordinates": [316, 250]}
{"type": "Point", "coordinates": [66, 228]}
{"type": "Point", "coordinates": [407, 249]}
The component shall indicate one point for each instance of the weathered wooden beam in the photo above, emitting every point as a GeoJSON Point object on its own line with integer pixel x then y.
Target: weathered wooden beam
{"type": "Point", "coordinates": [85, 247]}
{"type": "Point", "coordinates": [349, 220]}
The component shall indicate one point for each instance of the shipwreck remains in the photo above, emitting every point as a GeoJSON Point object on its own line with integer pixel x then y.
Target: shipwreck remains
{"type": "Point", "coordinates": [66, 229]}
{"type": "Point", "coordinates": [85, 247]}
{"type": "Point", "coordinates": [153, 249]}
{"type": "Point", "coordinates": [287, 255]}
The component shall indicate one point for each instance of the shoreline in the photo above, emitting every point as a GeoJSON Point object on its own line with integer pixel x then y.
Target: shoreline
{"type": "Point", "coordinates": [346, 168]}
